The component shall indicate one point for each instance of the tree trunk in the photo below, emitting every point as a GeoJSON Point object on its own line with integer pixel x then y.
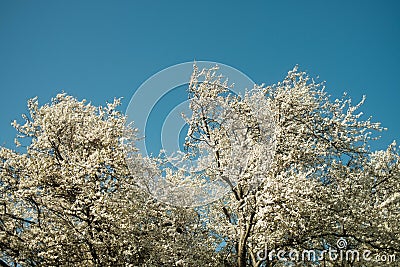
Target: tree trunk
{"type": "Point", "coordinates": [242, 245]}
{"type": "Point", "coordinates": [242, 253]}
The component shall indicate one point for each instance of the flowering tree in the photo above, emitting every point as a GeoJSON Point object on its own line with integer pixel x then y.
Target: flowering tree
{"type": "Point", "coordinates": [70, 200]}
{"type": "Point", "coordinates": [320, 184]}
{"type": "Point", "coordinates": [298, 166]}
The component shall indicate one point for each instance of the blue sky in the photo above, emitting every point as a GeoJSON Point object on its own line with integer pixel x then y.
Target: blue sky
{"type": "Point", "coordinates": [99, 50]}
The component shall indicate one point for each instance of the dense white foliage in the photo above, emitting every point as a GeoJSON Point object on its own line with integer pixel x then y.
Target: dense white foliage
{"type": "Point", "coordinates": [324, 183]}
{"type": "Point", "coordinates": [70, 200]}
{"type": "Point", "coordinates": [298, 167]}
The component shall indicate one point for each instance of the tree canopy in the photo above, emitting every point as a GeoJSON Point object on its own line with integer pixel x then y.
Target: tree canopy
{"type": "Point", "coordinates": [298, 165]}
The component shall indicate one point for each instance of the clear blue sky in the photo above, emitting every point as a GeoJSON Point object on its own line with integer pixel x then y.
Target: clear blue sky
{"type": "Point", "coordinates": [101, 49]}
